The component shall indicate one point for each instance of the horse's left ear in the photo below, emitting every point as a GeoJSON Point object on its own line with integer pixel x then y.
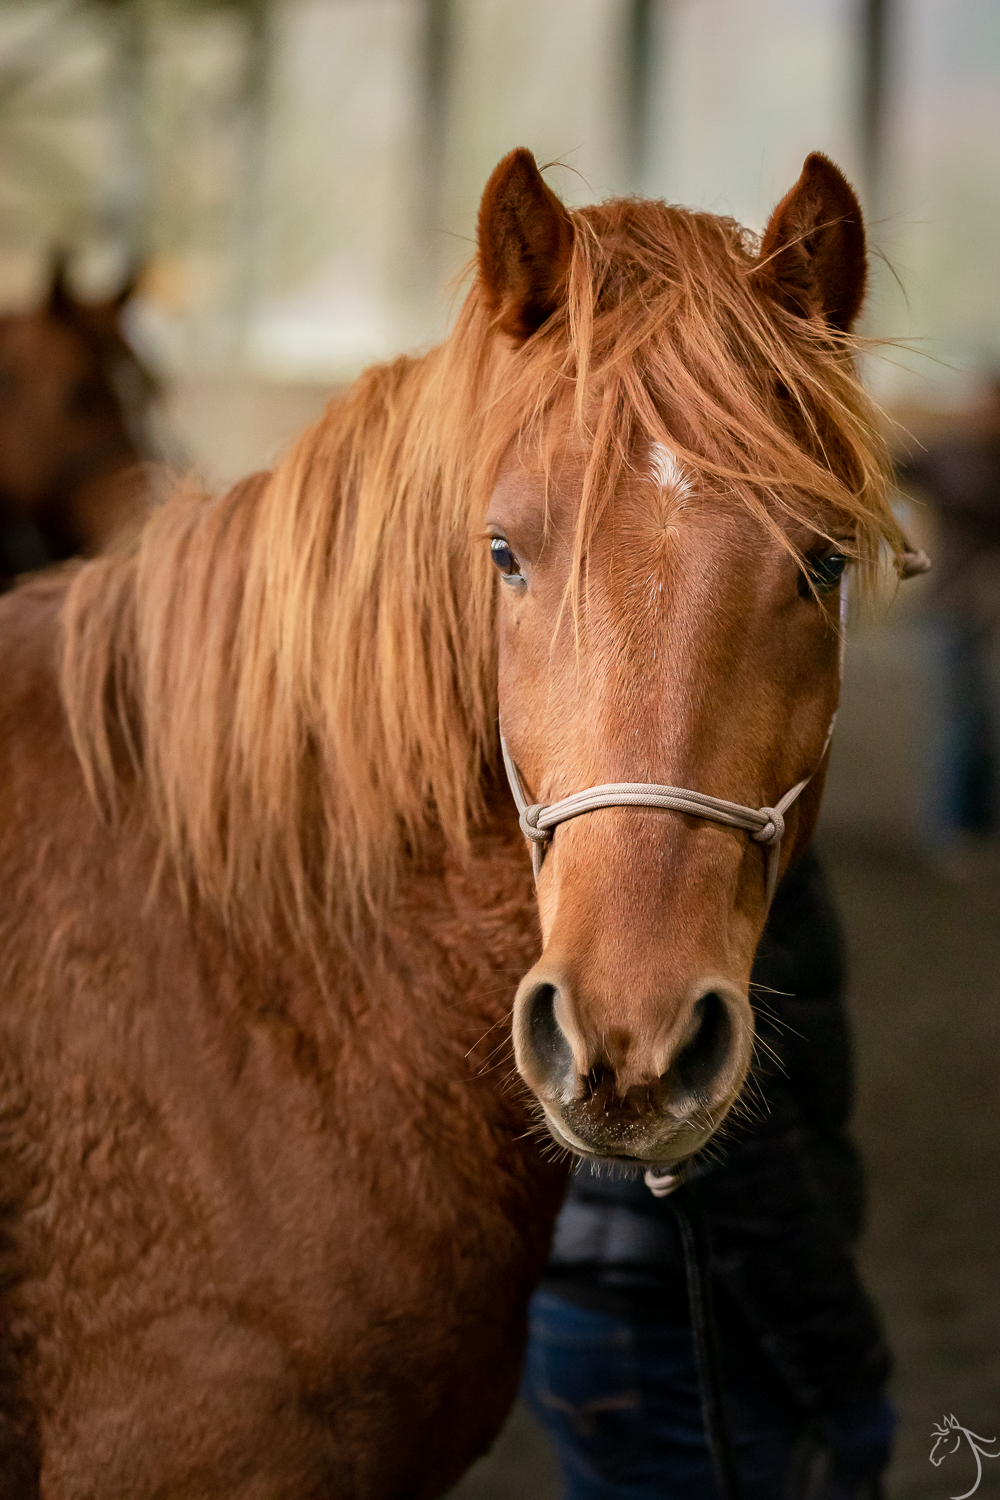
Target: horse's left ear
{"type": "Point", "coordinates": [812, 256]}
{"type": "Point", "coordinates": [525, 241]}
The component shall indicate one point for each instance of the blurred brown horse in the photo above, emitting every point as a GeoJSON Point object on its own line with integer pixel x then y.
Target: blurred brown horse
{"type": "Point", "coordinates": [269, 1221]}
{"type": "Point", "coordinates": [73, 404]}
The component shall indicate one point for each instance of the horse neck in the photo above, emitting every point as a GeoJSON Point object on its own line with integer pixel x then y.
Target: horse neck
{"type": "Point", "coordinates": [310, 659]}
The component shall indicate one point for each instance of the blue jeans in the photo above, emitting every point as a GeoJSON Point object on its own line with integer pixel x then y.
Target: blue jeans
{"type": "Point", "coordinates": [968, 771]}
{"type": "Point", "coordinates": [619, 1398]}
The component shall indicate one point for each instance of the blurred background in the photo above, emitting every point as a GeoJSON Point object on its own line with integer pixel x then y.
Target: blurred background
{"type": "Point", "coordinates": [298, 180]}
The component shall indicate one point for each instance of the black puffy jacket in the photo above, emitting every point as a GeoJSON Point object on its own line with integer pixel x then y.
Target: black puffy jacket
{"type": "Point", "coordinates": [781, 1192]}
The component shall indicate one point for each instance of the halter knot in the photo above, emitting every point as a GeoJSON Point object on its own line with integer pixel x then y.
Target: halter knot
{"type": "Point", "coordinates": [529, 824]}
{"type": "Point", "coordinates": [773, 830]}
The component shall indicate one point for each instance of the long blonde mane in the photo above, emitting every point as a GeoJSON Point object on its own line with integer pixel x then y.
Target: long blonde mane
{"type": "Point", "coordinates": [300, 675]}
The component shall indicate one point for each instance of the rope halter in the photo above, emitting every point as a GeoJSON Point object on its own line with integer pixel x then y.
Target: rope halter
{"type": "Point", "coordinates": [766, 825]}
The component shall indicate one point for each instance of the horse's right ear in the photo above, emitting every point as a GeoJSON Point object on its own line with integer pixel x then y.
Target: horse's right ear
{"type": "Point", "coordinates": [59, 300]}
{"type": "Point", "coordinates": [525, 241]}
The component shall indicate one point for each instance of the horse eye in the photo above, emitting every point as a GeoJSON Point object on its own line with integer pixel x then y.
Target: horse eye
{"type": "Point", "coordinates": [822, 574]}
{"type": "Point", "coordinates": [504, 558]}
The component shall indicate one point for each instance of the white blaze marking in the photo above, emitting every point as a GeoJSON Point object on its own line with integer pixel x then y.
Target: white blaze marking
{"type": "Point", "coordinates": [667, 471]}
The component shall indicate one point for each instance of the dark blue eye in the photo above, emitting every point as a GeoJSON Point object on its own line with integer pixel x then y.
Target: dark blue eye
{"type": "Point", "coordinates": [822, 573]}
{"type": "Point", "coordinates": [504, 557]}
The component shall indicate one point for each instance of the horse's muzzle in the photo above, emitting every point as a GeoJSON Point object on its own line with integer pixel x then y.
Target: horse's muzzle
{"type": "Point", "coordinates": [618, 1098]}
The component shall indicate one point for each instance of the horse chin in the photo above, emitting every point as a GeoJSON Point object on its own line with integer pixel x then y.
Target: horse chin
{"type": "Point", "coordinates": [664, 1145]}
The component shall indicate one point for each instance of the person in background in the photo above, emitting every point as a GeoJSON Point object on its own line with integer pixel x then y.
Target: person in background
{"type": "Point", "coordinates": [960, 476]}
{"type": "Point", "coordinates": [611, 1369]}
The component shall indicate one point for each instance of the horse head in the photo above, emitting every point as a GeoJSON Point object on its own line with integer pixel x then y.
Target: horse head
{"type": "Point", "coordinates": [670, 551]}
{"type": "Point", "coordinates": [950, 1434]}
{"type": "Point", "coordinates": [73, 400]}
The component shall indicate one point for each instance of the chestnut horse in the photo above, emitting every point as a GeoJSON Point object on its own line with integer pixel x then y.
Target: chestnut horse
{"type": "Point", "coordinates": [73, 403]}
{"type": "Point", "coordinates": [273, 1198]}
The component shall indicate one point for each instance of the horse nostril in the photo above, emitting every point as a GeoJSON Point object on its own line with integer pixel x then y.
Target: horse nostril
{"type": "Point", "coordinates": [705, 1054]}
{"type": "Point", "coordinates": [548, 1040]}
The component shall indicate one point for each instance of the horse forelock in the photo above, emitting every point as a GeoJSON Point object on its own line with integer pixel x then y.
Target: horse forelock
{"type": "Point", "coordinates": [300, 674]}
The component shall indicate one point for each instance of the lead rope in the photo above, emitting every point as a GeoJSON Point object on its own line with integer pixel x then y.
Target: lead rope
{"type": "Point", "coordinates": [706, 1348]}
